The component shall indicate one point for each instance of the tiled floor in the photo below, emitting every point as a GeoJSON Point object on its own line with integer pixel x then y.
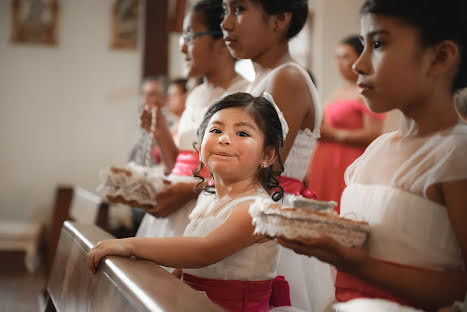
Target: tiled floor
{"type": "Point", "coordinates": [19, 289]}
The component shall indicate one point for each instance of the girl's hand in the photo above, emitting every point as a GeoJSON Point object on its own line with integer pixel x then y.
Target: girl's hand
{"type": "Point", "coordinates": [146, 120]}
{"type": "Point", "coordinates": [328, 250]}
{"type": "Point", "coordinates": [172, 198]}
{"type": "Point", "coordinates": [116, 247]}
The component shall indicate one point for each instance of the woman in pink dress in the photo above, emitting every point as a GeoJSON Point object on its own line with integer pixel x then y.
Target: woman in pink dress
{"type": "Point", "coordinates": [347, 129]}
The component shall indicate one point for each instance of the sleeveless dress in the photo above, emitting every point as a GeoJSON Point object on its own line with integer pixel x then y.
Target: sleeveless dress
{"type": "Point", "coordinates": [310, 280]}
{"type": "Point", "coordinates": [197, 103]}
{"type": "Point", "coordinates": [244, 281]}
{"type": "Point", "coordinates": [330, 159]}
{"type": "Point", "coordinates": [407, 228]}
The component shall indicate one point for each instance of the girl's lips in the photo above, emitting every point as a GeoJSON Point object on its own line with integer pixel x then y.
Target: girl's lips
{"type": "Point", "coordinates": [222, 154]}
{"type": "Point", "coordinates": [364, 88]}
{"type": "Point", "coordinates": [362, 85]}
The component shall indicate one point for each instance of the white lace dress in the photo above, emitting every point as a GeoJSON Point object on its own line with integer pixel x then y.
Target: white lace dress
{"type": "Point", "coordinates": [257, 262]}
{"type": "Point", "coordinates": [390, 192]}
{"type": "Point", "coordinates": [310, 280]}
{"type": "Point", "coordinates": [197, 104]}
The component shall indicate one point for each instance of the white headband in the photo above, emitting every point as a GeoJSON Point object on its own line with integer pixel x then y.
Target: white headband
{"type": "Point", "coordinates": [285, 127]}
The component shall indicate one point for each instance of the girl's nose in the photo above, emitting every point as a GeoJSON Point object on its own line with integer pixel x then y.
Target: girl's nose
{"type": "Point", "coordinates": [361, 65]}
{"type": "Point", "coordinates": [224, 139]}
{"type": "Point", "coordinates": [182, 45]}
{"type": "Point", "coordinates": [226, 23]}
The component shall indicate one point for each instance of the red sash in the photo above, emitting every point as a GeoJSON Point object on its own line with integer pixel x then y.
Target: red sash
{"type": "Point", "coordinates": [349, 287]}
{"type": "Point", "coordinates": [236, 295]}
{"type": "Point", "coordinates": [186, 163]}
{"type": "Point", "coordinates": [295, 187]}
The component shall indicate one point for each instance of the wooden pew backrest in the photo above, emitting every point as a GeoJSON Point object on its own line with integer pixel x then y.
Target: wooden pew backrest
{"type": "Point", "coordinates": [121, 284]}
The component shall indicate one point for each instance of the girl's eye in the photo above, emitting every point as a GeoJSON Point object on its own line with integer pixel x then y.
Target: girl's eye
{"type": "Point", "coordinates": [238, 9]}
{"type": "Point", "coordinates": [377, 44]}
{"type": "Point", "coordinates": [243, 134]}
{"type": "Point", "coordinates": [225, 12]}
{"type": "Point", "coordinates": [214, 130]}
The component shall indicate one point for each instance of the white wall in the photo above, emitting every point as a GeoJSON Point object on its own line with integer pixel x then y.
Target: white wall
{"type": "Point", "coordinates": [65, 111]}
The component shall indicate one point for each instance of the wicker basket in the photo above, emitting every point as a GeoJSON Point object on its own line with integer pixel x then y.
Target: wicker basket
{"type": "Point", "coordinates": [292, 223]}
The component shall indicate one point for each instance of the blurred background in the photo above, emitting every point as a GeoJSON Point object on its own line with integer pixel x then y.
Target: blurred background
{"type": "Point", "coordinates": [69, 101]}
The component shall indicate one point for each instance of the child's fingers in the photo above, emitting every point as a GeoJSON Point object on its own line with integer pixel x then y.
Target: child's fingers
{"type": "Point", "coordinates": [91, 261]}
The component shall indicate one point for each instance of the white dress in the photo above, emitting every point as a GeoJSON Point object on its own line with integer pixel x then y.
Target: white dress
{"type": "Point", "coordinates": [197, 103]}
{"type": "Point", "coordinates": [257, 262]}
{"type": "Point", "coordinates": [406, 226]}
{"type": "Point", "coordinates": [310, 280]}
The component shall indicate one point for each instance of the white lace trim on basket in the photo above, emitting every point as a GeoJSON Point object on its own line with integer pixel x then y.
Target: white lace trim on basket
{"type": "Point", "coordinates": [271, 221]}
{"type": "Point", "coordinates": [140, 185]}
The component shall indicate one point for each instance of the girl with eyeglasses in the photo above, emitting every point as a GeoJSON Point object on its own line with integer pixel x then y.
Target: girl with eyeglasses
{"type": "Point", "coordinates": [205, 56]}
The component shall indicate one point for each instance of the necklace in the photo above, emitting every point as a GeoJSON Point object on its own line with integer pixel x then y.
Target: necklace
{"type": "Point", "coordinates": [218, 204]}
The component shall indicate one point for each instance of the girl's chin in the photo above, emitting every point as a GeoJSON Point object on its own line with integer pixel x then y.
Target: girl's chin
{"type": "Point", "coordinates": [236, 53]}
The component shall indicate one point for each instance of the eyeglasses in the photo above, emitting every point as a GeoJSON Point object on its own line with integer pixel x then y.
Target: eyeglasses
{"type": "Point", "coordinates": [188, 37]}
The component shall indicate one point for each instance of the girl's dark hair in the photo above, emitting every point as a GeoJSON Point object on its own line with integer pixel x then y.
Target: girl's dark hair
{"type": "Point", "coordinates": [265, 116]}
{"type": "Point", "coordinates": [436, 21]}
{"type": "Point", "coordinates": [181, 82]}
{"type": "Point", "coordinates": [210, 13]}
{"type": "Point", "coordinates": [355, 42]}
{"type": "Point", "coordinates": [298, 8]}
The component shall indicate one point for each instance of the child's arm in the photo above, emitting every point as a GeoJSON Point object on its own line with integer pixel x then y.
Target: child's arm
{"type": "Point", "coordinates": [172, 198]}
{"type": "Point", "coordinates": [291, 93]}
{"type": "Point", "coordinates": [372, 128]}
{"type": "Point", "coordinates": [233, 235]}
{"type": "Point", "coordinates": [426, 288]}
{"type": "Point", "coordinates": [162, 134]}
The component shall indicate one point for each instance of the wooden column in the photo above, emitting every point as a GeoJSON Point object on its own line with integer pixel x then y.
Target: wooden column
{"type": "Point", "coordinates": [155, 38]}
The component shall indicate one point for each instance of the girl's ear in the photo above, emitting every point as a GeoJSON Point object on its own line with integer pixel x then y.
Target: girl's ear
{"type": "Point", "coordinates": [445, 58]}
{"type": "Point", "coordinates": [282, 22]}
{"type": "Point", "coordinates": [269, 156]}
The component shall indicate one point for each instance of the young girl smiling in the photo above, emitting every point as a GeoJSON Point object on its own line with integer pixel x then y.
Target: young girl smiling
{"type": "Point", "coordinates": [240, 139]}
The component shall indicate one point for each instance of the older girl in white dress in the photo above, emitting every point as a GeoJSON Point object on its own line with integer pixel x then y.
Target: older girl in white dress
{"type": "Point", "coordinates": [275, 22]}
{"type": "Point", "coordinates": [410, 185]}
{"type": "Point", "coordinates": [239, 138]}
{"type": "Point", "coordinates": [205, 55]}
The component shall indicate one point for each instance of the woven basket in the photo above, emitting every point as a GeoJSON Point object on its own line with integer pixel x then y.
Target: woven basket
{"type": "Point", "coordinates": [293, 223]}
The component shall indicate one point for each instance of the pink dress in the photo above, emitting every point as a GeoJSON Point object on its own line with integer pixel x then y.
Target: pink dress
{"type": "Point", "coordinates": [326, 171]}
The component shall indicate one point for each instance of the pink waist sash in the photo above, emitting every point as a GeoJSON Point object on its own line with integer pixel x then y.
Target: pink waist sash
{"type": "Point", "coordinates": [236, 295]}
{"type": "Point", "coordinates": [295, 187]}
{"type": "Point", "coordinates": [349, 287]}
{"type": "Point", "coordinates": [186, 163]}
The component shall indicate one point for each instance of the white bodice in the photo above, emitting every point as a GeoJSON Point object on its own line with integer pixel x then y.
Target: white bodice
{"type": "Point", "coordinates": [197, 103]}
{"type": "Point", "coordinates": [299, 155]}
{"type": "Point", "coordinates": [387, 186]}
{"type": "Point", "coordinates": [254, 263]}
{"type": "Point", "coordinates": [405, 228]}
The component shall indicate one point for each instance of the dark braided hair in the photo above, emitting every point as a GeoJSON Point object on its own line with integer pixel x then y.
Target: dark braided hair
{"type": "Point", "coordinates": [265, 116]}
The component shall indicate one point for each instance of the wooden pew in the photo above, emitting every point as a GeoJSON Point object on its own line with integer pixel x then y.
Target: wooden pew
{"type": "Point", "coordinates": [121, 284]}
{"type": "Point", "coordinates": [74, 203]}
